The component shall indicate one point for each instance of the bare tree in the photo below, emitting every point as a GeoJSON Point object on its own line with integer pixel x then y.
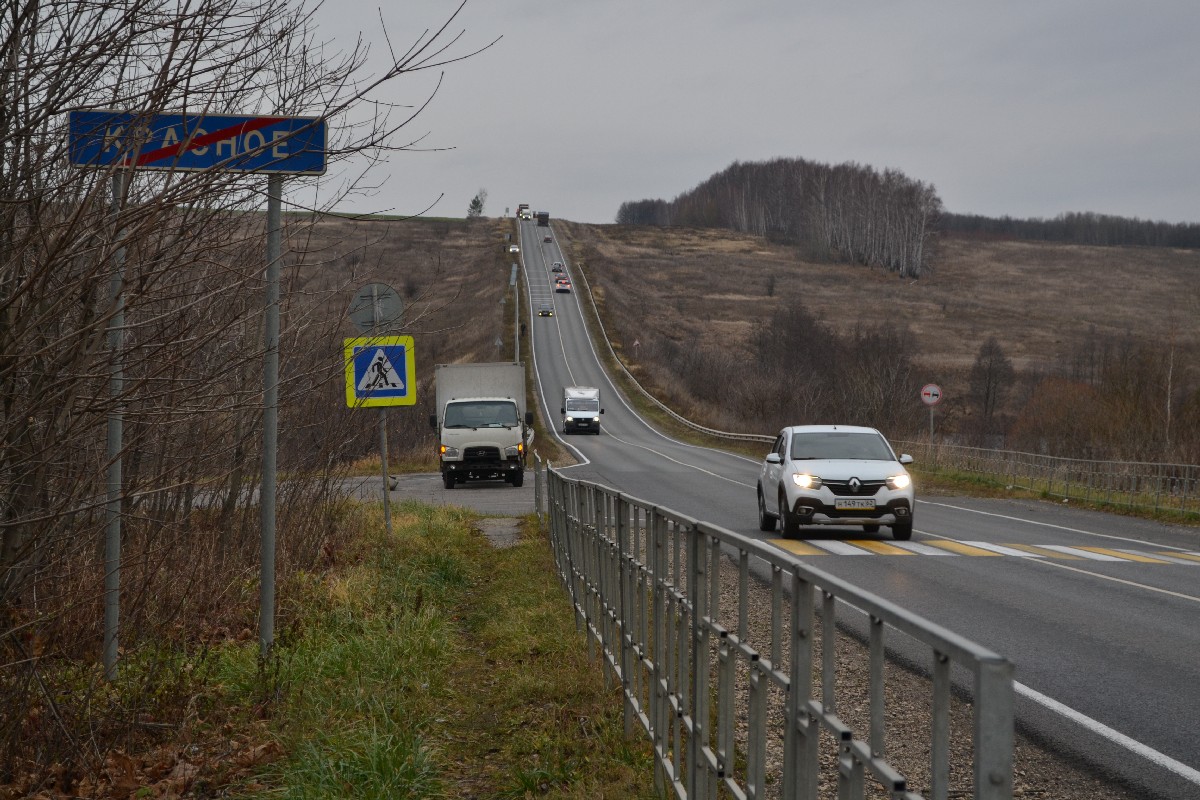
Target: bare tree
{"type": "Point", "coordinates": [989, 384]}
{"type": "Point", "coordinates": [178, 256]}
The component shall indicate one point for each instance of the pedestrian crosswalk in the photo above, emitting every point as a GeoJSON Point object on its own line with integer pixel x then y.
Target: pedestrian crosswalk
{"type": "Point", "coordinates": [952, 547]}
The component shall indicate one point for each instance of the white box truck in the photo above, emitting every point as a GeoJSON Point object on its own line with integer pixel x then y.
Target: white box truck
{"type": "Point", "coordinates": [581, 409]}
{"type": "Point", "coordinates": [481, 421]}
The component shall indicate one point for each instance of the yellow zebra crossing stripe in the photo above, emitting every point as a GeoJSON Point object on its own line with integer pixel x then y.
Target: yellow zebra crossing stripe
{"type": "Point", "coordinates": [964, 549]}
{"type": "Point", "coordinates": [949, 547]}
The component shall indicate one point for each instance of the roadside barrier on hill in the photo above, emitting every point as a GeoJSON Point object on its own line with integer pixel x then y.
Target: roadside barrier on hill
{"type": "Point", "coordinates": [1124, 484]}
{"type": "Point", "coordinates": [739, 711]}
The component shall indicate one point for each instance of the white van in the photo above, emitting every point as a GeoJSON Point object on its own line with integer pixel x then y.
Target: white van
{"type": "Point", "coordinates": [581, 409]}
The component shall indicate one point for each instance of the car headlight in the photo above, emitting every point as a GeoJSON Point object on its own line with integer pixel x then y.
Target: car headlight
{"type": "Point", "coordinates": [449, 452]}
{"type": "Point", "coordinates": [570, 419]}
{"type": "Point", "coordinates": [595, 419]}
{"type": "Point", "coordinates": [513, 451]}
{"type": "Point", "coordinates": [899, 482]}
{"type": "Point", "coordinates": [806, 481]}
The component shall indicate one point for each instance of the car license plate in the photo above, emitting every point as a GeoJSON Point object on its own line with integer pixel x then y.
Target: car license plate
{"type": "Point", "coordinates": [854, 502]}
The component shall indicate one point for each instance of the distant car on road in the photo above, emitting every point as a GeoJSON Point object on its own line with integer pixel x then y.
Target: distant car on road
{"type": "Point", "coordinates": [547, 238]}
{"type": "Point", "coordinates": [545, 310]}
{"type": "Point", "coordinates": [512, 248]}
{"type": "Point", "coordinates": [562, 286]}
{"type": "Point", "coordinates": [834, 475]}
{"type": "Point", "coordinates": [557, 267]}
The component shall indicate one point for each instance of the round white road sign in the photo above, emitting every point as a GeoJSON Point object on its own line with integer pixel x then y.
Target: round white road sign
{"type": "Point", "coordinates": [931, 394]}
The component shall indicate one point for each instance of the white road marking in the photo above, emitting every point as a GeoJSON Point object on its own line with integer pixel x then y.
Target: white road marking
{"type": "Point", "coordinates": [681, 463]}
{"type": "Point", "coordinates": [1099, 728]}
{"type": "Point", "coordinates": [1171, 559]}
{"type": "Point", "coordinates": [923, 549]}
{"type": "Point", "coordinates": [839, 548]}
{"type": "Point", "coordinates": [1004, 551]}
{"type": "Point", "coordinates": [1051, 563]}
{"type": "Point", "coordinates": [1080, 553]}
{"type": "Point", "coordinates": [1048, 525]}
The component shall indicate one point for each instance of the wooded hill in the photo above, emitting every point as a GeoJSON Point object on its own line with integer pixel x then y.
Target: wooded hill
{"type": "Point", "coordinates": [854, 213]}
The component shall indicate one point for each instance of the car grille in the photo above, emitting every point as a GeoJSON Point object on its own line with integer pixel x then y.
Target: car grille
{"type": "Point", "coordinates": [843, 488]}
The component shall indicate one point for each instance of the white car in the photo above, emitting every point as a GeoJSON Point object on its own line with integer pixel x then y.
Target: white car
{"type": "Point", "coordinates": [512, 248]}
{"type": "Point", "coordinates": [834, 475]}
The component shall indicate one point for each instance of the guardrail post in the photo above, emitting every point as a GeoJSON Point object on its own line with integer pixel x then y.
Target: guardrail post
{"type": "Point", "coordinates": [698, 666]}
{"type": "Point", "coordinates": [993, 730]}
{"type": "Point", "coordinates": [624, 626]}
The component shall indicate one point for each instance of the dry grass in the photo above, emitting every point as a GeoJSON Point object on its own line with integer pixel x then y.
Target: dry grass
{"type": "Point", "coordinates": [1040, 301]}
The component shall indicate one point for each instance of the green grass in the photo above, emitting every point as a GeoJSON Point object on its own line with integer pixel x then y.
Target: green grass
{"type": "Point", "coordinates": [430, 665]}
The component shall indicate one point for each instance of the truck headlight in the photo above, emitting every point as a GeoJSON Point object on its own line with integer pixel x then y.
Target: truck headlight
{"type": "Point", "coordinates": [570, 419]}
{"type": "Point", "coordinates": [595, 419]}
{"type": "Point", "coordinates": [899, 482]}
{"type": "Point", "coordinates": [449, 452]}
{"type": "Point", "coordinates": [513, 451]}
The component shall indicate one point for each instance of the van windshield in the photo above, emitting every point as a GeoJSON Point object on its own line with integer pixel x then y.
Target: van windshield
{"type": "Point", "coordinates": [585, 406]}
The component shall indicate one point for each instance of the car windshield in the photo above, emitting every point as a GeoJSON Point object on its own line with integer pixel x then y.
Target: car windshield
{"type": "Point", "coordinates": [481, 414]}
{"type": "Point", "coordinates": [840, 444]}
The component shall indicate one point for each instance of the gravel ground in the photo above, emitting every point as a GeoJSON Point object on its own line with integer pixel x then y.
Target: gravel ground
{"type": "Point", "coordinates": [1037, 773]}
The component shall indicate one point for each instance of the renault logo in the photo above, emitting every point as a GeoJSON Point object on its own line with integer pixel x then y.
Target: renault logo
{"type": "Point", "coordinates": [855, 485]}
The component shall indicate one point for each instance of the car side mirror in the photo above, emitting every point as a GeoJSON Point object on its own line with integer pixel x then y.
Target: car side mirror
{"type": "Point", "coordinates": [433, 421]}
{"type": "Point", "coordinates": [602, 411]}
{"type": "Point", "coordinates": [562, 411]}
{"type": "Point", "coordinates": [906, 459]}
{"type": "Point", "coordinates": [773, 458]}
{"type": "Point", "coordinates": [528, 417]}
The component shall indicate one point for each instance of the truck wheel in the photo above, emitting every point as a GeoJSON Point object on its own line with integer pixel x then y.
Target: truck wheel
{"type": "Point", "coordinates": [518, 478]}
{"type": "Point", "coordinates": [447, 480]}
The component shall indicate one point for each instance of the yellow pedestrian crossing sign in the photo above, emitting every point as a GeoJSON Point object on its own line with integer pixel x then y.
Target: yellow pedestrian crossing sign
{"type": "Point", "coordinates": [380, 371]}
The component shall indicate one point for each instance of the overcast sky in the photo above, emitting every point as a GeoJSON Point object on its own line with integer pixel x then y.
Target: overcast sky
{"type": "Point", "coordinates": [1027, 108]}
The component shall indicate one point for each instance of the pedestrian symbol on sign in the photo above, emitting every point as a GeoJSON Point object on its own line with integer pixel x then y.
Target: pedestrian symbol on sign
{"type": "Point", "coordinates": [380, 371]}
{"type": "Point", "coordinates": [380, 375]}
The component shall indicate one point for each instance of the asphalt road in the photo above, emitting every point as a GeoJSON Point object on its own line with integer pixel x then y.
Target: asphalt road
{"type": "Point", "coordinates": [1098, 612]}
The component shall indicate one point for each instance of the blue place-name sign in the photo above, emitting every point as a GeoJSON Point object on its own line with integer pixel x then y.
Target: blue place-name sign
{"type": "Point", "coordinates": [191, 142]}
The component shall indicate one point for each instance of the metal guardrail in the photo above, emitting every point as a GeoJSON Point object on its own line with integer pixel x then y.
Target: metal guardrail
{"type": "Point", "coordinates": [713, 694]}
{"type": "Point", "coordinates": [1126, 484]}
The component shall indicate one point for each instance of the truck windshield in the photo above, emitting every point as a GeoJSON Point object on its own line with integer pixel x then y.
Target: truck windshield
{"type": "Point", "coordinates": [482, 414]}
{"type": "Point", "coordinates": [585, 406]}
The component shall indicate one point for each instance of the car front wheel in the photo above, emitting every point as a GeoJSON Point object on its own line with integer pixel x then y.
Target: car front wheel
{"type": "Point", "coordinates": [902, 532]}
{"type": "Point", "coordinates": [791, 529]}
{"type": "Point", "coordinates": [765, 521]}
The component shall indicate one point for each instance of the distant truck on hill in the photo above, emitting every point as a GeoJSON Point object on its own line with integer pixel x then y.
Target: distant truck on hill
{"type": "Point", "coordinates": [543, 217]}
{"type": "Point", "coordinates": [523, 211]}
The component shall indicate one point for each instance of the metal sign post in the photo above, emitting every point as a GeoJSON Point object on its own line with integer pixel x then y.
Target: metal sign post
{"type": "Point", "coordinates": [217, 143]}
{"type": "Point", "coordinates": [373, 310]}
{"type": "Point", "coordinates": [931, 395]}
{"type": "Point", "coordinates": [516, 314]}
{"type": "Point", "coordinates": [116, 424]}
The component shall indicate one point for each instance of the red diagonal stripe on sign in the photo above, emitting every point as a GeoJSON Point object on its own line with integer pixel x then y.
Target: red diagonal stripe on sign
{"type": "Point", "coordinates": [207, 139]}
